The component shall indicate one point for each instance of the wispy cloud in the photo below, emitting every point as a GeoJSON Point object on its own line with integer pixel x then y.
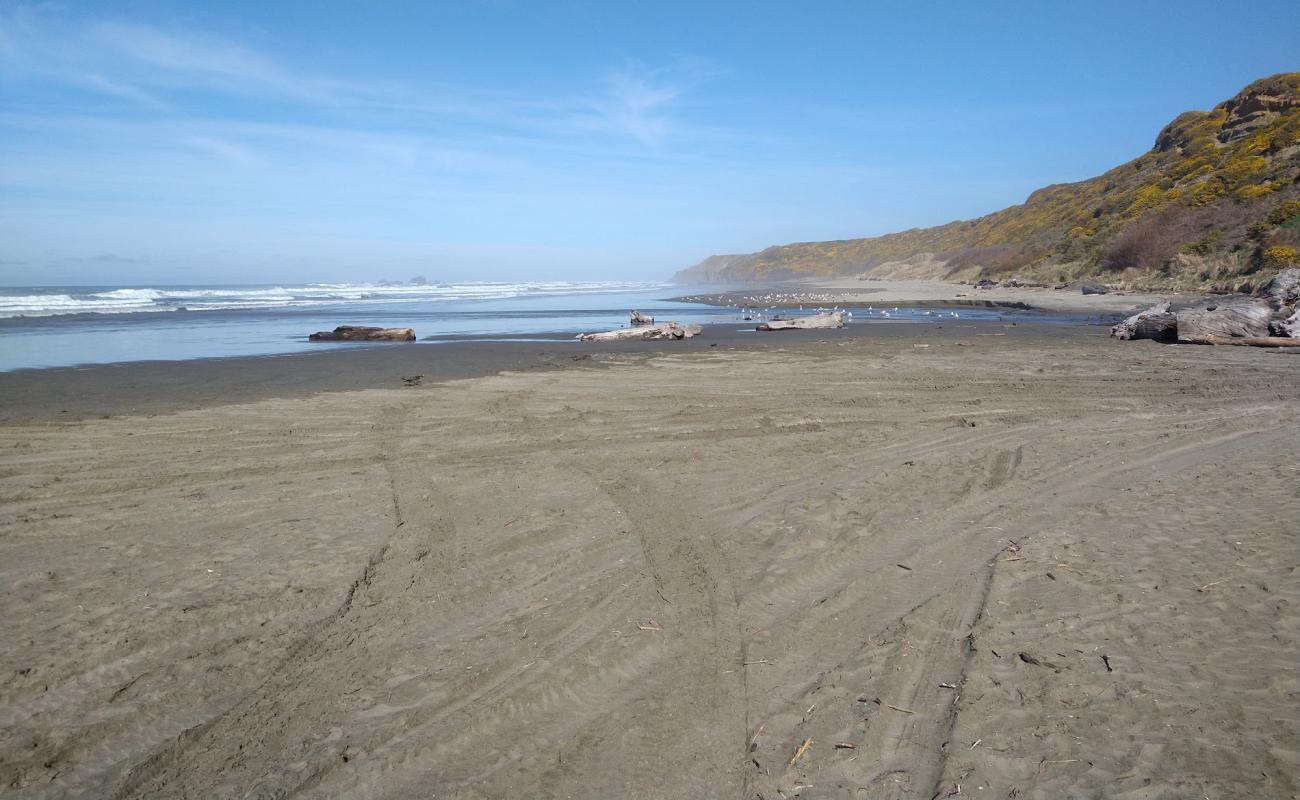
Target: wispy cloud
{"type": "Point", "coordinates": [226, 151]}
{"type": "Point", "coordinates": [175, 70]}
{"type": "Point", "coordinates": [640, 100]}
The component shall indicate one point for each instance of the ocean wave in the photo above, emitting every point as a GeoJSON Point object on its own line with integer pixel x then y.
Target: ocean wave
{"type": "Point", "coordinates": [109, 300]}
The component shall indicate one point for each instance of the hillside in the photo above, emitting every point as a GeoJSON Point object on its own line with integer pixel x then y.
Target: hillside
{"type": "Point", "coordinates": [1215, 201]}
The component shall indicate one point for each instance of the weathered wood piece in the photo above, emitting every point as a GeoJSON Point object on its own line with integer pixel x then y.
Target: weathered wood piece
{"type": "Point", "coordinates": [359, 333]}
{"type": "Point", "coordinates": [1155, 323]}
{"type": "Point", "coordinates": [826, 319]}
{"type": "Point", "coordinates": [1289, 326]}
{"type": "Point", "coordinates": [666, 330]}
{"type": "Point", "coordinates": [641, 319]}
{"type": "Point", "coordinates": [1243, 317]}
{"type": "Point", "coordinates": [1284, 290]}
{"type": "Point", "coordinates": [1092, 287]}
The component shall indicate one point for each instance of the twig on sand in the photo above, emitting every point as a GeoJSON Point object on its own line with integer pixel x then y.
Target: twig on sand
{"type": "Point", "coordinates": [1207, 586]}
{"type": "Point", "coordinates": [760, 661]}
{"type": "Point", "coordinates": [904, 566]}
{"type": "Point", "coordinates": [880, 702]}
{"type": "Point", "coordinates": [845, 746]}
{"type": "Point", "coordinates": [1043, 762]}
{"type": "Point", "coordinates": [803, 748]}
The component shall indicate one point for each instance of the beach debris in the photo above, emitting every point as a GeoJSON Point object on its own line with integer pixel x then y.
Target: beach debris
{"type": "Point", "coordinates": [803, 748]}
{"type": "Point", "coordinates": [1269, 320]}
{"type": "Point", "coordinates": [637, 318]}
{"type": "Point", "coordinates": [880, 702]}
{"type": "Point", "coordinates": [1244, 317]}
{"type": "Point", "coordinates": [665, 330]}
{"type": "Point", "coordinates": [1037, 662]}
{"type": "Point", "coordinates": [412, 380]}
{"type": "Point", "coordinates": [845, 746]}
{"type": "Point", "coordinates": [361, 333]}
{"type": "Point", "coordinates": [1156, 322]}
{"type": "Point", "coordinates": [651, 625]}
{"type": "Point", "coordinates": [1092, 287]}
{"type": "Point", "coordinates": [825, 319]}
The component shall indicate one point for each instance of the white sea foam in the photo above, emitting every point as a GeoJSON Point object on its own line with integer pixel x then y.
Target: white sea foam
{"type": "Point", "coordinates": [72, 300]}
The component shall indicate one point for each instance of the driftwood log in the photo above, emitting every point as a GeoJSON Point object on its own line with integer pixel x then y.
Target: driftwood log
{"type": "Point", "coordinates": [666, 330]}
{"type": "Point", "coordinates": [1289, 327]}
{"type": "Point", "coordinates": [1156, 322]}
{"type": "Point", "coordinates": [1092, 287]}
{"type": "Point", "coordinates": [358, 333]}
{"type": "Point", "coordinates": [1283, 294]}
{"type": "Point", "coordinates": [1269, 320]}
{"type": "Point", "coordinates": [1244, 317]}
{"type": "Point", "coordinates": [826, 319]}
{"type": "Point", "coordinates": [638, 318]}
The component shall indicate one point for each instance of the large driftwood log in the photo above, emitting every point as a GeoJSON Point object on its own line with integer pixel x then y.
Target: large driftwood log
{"type": "Point", "coordinates": [1237, 318]}
{"type": "Point", "coordinates": [1155, 322]}
{"type": "Point", "coordinates": [641, 319]}
{"type": "Point", "coordinates": [826, 319]}
{"type": "Point", "coordinates": [358, 333]}
{"type": "Point", "coordinates": [666, 330]}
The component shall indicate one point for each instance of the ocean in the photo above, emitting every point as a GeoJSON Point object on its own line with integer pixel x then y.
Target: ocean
{"type": "Point", "coordinates": [54, 326]}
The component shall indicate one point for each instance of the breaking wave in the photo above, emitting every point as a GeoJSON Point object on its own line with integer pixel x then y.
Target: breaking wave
{"type": "Point", "coordinates": [106, 300]}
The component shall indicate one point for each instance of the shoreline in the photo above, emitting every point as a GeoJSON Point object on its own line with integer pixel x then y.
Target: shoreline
{"type": "Point", "coordinates": [156, 387]}
{"type": "Point", "coordinates": [855, 293]}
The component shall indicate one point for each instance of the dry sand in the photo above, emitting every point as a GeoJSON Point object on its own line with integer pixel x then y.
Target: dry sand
{"type": "Point", "coordinates": [1023, 564]}
{"type": "Point", "coordinates": [852, 292]}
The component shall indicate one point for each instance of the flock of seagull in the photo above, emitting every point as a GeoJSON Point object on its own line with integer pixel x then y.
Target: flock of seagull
{"type": "Point", "coordinates": [764, 307]}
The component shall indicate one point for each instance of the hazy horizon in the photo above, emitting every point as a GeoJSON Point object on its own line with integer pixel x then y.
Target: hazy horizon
{"type": "Point", "coordinates": [162, 144]}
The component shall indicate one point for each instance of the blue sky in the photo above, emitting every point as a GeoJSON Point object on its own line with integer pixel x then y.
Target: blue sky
{"type": "Point", "coordinates": [146, 142]}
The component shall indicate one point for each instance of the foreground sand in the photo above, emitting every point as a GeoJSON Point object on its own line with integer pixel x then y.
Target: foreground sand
{"type": "Point", "coordinates": [1019, 565]}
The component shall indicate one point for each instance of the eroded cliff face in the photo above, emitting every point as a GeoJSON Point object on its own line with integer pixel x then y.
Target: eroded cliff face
{"type": "Point", "coordinates": [1206, 207]}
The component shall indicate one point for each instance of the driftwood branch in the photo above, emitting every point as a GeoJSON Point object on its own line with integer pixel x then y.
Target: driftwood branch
{"type": "Point", "coordinates": [826, 319]}
{"type": "Point", "coordinates": [666, 330]}
{"type": "Point", "coordinates": [637, 318]}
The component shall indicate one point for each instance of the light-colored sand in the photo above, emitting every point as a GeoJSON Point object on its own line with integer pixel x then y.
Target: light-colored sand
{"type": "Point", "coordinates": [661, 579]}
{"type": "Point", "coordinates": [903, 293]}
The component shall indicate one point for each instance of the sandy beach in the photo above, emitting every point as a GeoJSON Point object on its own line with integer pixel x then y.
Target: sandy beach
{"type": "Point", "coordinates": [911, 562]}
{"type": "Point", "coordinates": [856, 293]}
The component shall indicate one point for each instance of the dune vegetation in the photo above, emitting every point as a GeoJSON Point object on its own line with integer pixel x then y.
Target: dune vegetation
{"type": "Point", "coordinates": [1215, 204]}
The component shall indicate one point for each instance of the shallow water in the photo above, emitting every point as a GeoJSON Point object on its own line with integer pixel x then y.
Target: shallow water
{"type": "Point", "coordinates": [144, 324]}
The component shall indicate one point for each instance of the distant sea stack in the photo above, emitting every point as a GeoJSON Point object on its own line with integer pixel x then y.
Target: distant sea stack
{"type": "Point", "coordinates": [1215, 204]}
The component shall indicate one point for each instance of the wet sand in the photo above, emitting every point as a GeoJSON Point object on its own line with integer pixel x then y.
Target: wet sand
{"type": "Point", "coordinates": [1024, 561]}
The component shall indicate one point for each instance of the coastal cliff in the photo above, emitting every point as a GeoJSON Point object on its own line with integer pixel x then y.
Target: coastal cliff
{"type": "Point", "coordinates": [1215, 204]}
